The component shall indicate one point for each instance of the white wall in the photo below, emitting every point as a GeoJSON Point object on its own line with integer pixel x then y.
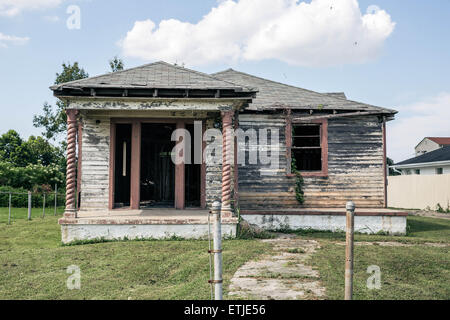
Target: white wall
{"type": "Point", "coordinates": [418, 191]}
{"type": "Point", "coordinates": [427, 170]}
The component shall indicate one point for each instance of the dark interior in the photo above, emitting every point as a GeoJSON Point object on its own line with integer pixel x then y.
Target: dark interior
{"type": "Point", "coordinates": [192, 176]}
{"type": "Point", "coordinates": [306, 148]}
{"type": "Point", "coordinates": [122, 166]}
{"type": "Point", "coordinates": [157, 168]}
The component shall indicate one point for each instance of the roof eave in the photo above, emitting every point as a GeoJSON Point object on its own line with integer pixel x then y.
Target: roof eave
{"type": "Point", "coordinates": [421, 164]}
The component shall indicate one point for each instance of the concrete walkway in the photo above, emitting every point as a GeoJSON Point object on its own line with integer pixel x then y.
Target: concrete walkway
{"type": "Point", "coordinates": [283, 275]}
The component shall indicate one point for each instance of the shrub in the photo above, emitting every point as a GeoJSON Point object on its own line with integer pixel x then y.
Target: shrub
{"type": "Point", "coordinates": [31, 176]}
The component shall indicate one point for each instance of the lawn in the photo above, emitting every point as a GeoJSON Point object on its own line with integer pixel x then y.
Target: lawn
{"type": "Point", "coordinates": [418, 269]}
{"type": "Point", "coordinates": [33, 265]}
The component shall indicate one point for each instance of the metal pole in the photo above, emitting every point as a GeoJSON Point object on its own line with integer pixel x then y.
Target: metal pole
{"type": "Point", "coordinates": [9, 207]}
{"type": "Point", "coordinates": [217, 246]}
{"type": "Point", "coordinates": [350, 215]}
{"type": "Point", "coordinates": [29, 205]}
{"type": "Point", "coordinates": [56, 196]}
{"type": "Point", "coordinates": [43, 206]}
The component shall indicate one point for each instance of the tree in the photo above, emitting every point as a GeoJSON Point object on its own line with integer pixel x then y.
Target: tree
{"type": "Point", "coordinates": [12, 150]}
{"type": "Point", "coordinates": [116, 64]}
{"type": "Point", "coordinates": [390, 163]}
{"type": "Point", "coordinates": [20, 153]}
{"type": "Point", "coordinates": [54, 119]}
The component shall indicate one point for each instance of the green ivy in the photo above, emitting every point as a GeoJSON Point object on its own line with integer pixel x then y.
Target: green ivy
{"type": "Point", "coordinates": [299, 194]}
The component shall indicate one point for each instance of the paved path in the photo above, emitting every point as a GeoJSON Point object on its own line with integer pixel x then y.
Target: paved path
{"type": "Point", "coordinates": [283, 275]}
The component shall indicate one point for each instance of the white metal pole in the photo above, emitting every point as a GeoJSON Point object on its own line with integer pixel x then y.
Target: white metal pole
{"type": "Point", "coordinates": [217, 236]}
{"type": "Point", "coordinates": [9, 205]}
{"type": "Point", "coordinates": [43, 206]}
{"type": "Point", "coordinates": [350, 217]}
{"type": "Point", "coordinates": [29, 205]}
{"type": "Point", "coordinates": [56, 196]}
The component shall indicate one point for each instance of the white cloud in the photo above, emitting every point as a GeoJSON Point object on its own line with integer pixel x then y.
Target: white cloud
{"type": "Point", "coordinates": [12, 8]}
{"type": "Point", "coordinates": [427, 118]}
{"type": "Point", "coordinates": [319, 33]}
{"type": "Point", "coordinates": [6, 40]}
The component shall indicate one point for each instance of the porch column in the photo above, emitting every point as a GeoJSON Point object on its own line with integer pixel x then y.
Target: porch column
{"type": "Point", "coordinates": [227, 160]}
{"type": "Point", "coordinates": [180, 173]}
{"type": "Point", "coordinates": [135, 174]}
{"type": "Point", "coordinates": [70, 211]}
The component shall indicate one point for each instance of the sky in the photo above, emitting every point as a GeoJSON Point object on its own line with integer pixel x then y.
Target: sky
{"type": "Point", "coordinates": [393, 54]}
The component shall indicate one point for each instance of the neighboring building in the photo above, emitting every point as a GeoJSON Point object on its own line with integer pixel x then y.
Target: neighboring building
{"type": "Point", "coordinates": [429, 144]}
{"type": "Point", "coordinates": [434, 162]}
{"type": "Point", "coordinates": [129, 187]}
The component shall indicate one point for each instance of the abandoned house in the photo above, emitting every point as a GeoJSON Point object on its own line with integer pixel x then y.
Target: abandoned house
{"type": "Point", "coordinates": [122, 128]}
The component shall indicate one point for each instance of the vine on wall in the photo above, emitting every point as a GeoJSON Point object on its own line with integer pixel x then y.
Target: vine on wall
{"type": "Point", "coordinates": [299, 194]}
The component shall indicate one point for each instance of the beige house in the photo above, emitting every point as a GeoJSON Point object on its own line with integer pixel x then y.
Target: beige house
{"type": "Point", "coordinates": [430, 144]}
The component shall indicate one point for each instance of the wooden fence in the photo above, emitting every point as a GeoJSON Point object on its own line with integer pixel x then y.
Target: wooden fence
{"type": "Point", "coordinates": [419, 191]}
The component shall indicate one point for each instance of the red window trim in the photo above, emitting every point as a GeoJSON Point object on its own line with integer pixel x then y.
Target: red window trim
{"type": "Point", "coordinates": [324, 144]}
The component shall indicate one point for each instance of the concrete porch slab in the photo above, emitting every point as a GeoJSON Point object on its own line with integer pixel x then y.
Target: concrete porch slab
{"type": "Point", "coordinates": [141, 224]}
{"type": "Point", "coordinates": [367, 220]}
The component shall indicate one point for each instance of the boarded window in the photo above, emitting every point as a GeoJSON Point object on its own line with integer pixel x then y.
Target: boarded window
{"type": "Point", "coordinates": [306, 147]}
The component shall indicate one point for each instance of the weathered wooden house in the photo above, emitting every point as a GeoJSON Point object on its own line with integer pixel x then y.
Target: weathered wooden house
{"type": "Point", "coordinates": [127, 184]}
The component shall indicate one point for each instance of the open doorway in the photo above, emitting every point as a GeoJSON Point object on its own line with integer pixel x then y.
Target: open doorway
{"type": "Point", "coordinates": [157, 181]}
{"type": "Point", "coordinates": [122, 166]}
{"type": "Point", "coordinates": [193, 171]}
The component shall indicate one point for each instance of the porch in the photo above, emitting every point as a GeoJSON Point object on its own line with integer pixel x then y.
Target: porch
{"type": "Point", "coordinates": [141, 224]}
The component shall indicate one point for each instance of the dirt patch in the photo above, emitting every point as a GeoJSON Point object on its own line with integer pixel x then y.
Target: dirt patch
{"type": "Point", "coordinates": [395, 244]}
{"type": "Point", "coordinates": [430, 214]}
{"type": "Point", "coordinates": [283, 275]}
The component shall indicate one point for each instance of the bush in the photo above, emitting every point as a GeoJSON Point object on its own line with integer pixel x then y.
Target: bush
{"type": "Point", "coordinates": [31, 176]}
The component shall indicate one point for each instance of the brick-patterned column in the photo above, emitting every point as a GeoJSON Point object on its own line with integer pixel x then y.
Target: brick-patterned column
{"type": "Point", "coordinates": [70, 211]}
{"type": "Point", "coordinates": [227, 160]}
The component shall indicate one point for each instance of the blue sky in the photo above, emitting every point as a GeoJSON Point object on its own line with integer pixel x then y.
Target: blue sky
{"type": "Point", "coordinates": [407, 70]}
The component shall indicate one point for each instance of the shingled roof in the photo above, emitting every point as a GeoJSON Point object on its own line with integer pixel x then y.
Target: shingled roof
{"type": "Point", "coordinates": [273, 94]}
{"type": "Point", "coordinates": [441, 154]}
{"type": "Point", "coordinates": [157, 75]}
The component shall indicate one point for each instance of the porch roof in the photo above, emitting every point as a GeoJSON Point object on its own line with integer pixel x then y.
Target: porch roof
{"type": "Point", "coordinates": [158, 79]}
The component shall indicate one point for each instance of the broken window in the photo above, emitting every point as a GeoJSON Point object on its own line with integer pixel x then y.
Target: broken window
{"type": "Point", "coordinates": [306, 150]}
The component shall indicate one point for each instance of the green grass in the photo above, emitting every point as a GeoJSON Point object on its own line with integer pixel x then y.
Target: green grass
{"type": "Point", "coordinates": [416, 271]}
{"type": "Point", "coordinates": [33, 265]}
{"type": "Point", "coordinates": [22, 213]}
{"type": "Point", "coordinates": [419, 230]}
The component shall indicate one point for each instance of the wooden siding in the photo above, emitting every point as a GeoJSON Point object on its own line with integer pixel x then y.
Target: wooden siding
{"type": "Point", "coordinates": [95, 163]}
{"type": "Point", "coordinates": [95, 157]}
{"type": "Point", "coordinates": [355, 168]}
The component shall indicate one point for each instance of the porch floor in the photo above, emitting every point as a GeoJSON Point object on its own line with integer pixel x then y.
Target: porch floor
{"type": "Point", "coordinates": [144, 216]}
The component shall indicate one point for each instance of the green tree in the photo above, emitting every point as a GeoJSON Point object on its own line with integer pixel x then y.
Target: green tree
{"type": "Point", "coordinates": [390, 163]}
{"type": "Point", "coordinates": [116, 64]}
{"type": "Point", "coordinates": [20, 153]}
{"type": "Point", "coordinates": [41, 151]}
{"type": "Point", "coordinates": [13, 150]}
{"type": "Point", "coordinates": [53, 119]}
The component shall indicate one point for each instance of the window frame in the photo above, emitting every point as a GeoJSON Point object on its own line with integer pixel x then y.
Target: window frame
{"type": "Point", "coordinates": [323, 143]}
